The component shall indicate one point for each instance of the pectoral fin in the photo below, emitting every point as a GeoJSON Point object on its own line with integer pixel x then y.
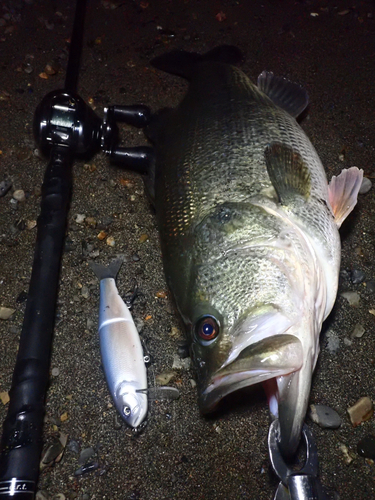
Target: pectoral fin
{"type": "Point", "coordinates": [288, 172]}
{"type": "Point", "coordinates": [343, 192]}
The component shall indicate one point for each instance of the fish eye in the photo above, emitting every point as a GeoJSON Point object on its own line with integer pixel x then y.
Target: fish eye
{"type": "Point", "coordinates": [207, 328]}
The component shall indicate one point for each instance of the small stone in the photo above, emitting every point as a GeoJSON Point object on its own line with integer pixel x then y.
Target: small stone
{"type": "Point", "coordinates": [347, 341]}
{"type": "Point", "coordinates": [347, 457]}
{"type": "Point", "coordinates": [193, 383]}
{"type": "Point", "coordinates": [110, 241]}
{"type": "Point", "coordinates": [43, 76]}
{"type": "Point", "coordinates": [358, 331]}
{"type": "Point", "coordinates": [126, 182]}
{"type": "Point", "coordinates": [333, 342]}
{"type": "Point", "coordinates": [64, 417]}
{"type": "Point", "coordinates": [73, 446]}
{"type": "Point", "coordinates": [183, 349]}
{"type": "Point", "coordinates": [19, 195]}
{"type": "Point", "coordinates": [51, 68]}
{"type": "Point", "coordinates": [180, 364]}
{"type": "Point", "coordinates": [30, 224]}
{"type": "Point", "coordinates": [161, 294]}
{"type": "Point", "coordinates": [102, 235]}
{"type": "Point", "coordinates": [136, 257]}
{"type": "Point", "coordinates": [85, 292]}
{"type": "Point", "coordinates": [357, 276]}
{"type": "Point", "coordinates": [352, 297]}
{"type": "Point", "coordinates": [41, 495]}
{"type": "Point", "coordinates": [143, 238]}
{"type": "Point", "coordinates": [361, 411]}
{"type": "Point", "coordinates": [365, 186]}
{"type": "Point", "coordinates": [6, 312]}
{"type": "Point", "coordinates": [370, 286]}
{"type": "Point", "coordinates": [90, 324]}
{"type": "Point", "coordinates": [164, 378]}
{"type": "Point", "coordinates": [85, 455]}
{"type": "Point", "coordinates": [4, 396]}
{"type": "Point", "coordinates": [175, 332]}
{"type": "Point", "coordinates": [85, 469]}
{"type": "Point", "coordinates": [117, 422]}
{"type": "Point", "coordinates": [5, 187]}
{"type": "Point", "coordinates": [325, 417]}
{"type": "Point", "coordinates": [80, 218]}
{"type": "Point", "coordinates": [366, 447]}
{"type": "Point", "coordinates": [91, 222]}
{"type": "Point", "coordinates": [50, 454]}
{"type": "Point", "coordinates": [55, 372]}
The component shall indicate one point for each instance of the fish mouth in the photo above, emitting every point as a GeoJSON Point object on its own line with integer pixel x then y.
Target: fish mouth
{"type": "Point", "coordinates": [269, 358]}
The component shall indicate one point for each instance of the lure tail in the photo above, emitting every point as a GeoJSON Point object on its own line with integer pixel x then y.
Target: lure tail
{"type": "Point", "coordinates": [103, 272]}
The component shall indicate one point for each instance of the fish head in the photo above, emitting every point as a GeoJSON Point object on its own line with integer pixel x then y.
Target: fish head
{"type": "Point", "coordinates": [247, 319]}
{"type": "Point", "coordinates": [131, 404]}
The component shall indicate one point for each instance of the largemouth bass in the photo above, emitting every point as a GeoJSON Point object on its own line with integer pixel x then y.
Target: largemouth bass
{"type": "Point", "coordinates": [249, 231]}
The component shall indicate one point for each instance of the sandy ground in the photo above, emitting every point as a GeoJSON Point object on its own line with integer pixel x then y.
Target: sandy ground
{"type": "Point", "coordinates": [326, 46]}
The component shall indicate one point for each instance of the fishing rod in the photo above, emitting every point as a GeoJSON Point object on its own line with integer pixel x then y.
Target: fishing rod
{"type": "Point", "coordinates": [65, 128]}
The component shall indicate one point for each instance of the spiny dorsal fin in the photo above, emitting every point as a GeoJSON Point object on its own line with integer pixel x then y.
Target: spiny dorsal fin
{"type": "Point", "coordinates": [183, 63]}
{"type": "Point", "coordinates": [287, 95]}
{"type": "Point", "coordinates": [343, 192]}
{"type": "Point", "coordinates": [288, 172]}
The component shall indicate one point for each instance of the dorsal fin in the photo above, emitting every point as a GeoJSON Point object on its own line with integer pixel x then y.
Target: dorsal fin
{"type": "Point", "coordinates": [287, 95]}
{"type": "Point", "coordinates": [288, 172]}
{"type": "Point", "coordinates": [343, 192]}
{"type": "Point", "coordinates": [183, 63]}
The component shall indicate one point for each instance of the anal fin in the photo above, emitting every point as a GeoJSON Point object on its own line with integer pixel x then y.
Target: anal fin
{"type": "Point", "coordinates": [343, 192]}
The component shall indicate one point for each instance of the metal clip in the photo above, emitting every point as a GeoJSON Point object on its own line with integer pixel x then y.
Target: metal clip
{"type": "Point", "coordinates": [302, 484]}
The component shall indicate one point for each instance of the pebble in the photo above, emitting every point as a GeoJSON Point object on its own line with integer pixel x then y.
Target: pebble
{"type": "Point", "coordinates": [143, 238]}
{"type": "Point", "coordinates": [4, 187]}
{"type": "Point", "coordinates": [55, 372]}
{"type": "Point", "coordinates": [361, 411]}
{"type": "Point", "coordinates": [80, 218]}
{"type": "Point", "coordinates": [85, 469]}
{"type": "Point", "coordinates": [73, 446]}
{"type": "Point", "coordinates": [30, 224]}
{"type": "Point", "coordinates": [325, 417]}
{"type": "Point", "coordinates": [358, 331]}
{"type": "Point", "coordinates": [85, 292]}
{"type": "Point", "coordinates": [370, 286]}
{"type": "Point", "coordinates": [90, 324]}
{"type": "Point", "coordinates": [365, 186]}
{"type": "Point", "coordinates": [6, 312]}
{"type": "Point", "coordinates": [117, 422]}
{"type": "Point", "coordinates": [161, 294]}
{"type": "Point", "coordinates": [164, 378]}
{"type": "Point", "coordinates": [102, 235]}
{"type": "Point", "coordinates": [366, 447]}
{"type": "Point", "coordinates": [51, 454]}
{"type": "Point", "coordinates": [19, 195]}
{"type": "Point", "coordinates": [64, 417]}
{"type": "Point", "coordinates": [85, 455]}
{"type": "Point", "coordinates": [183, 349]}
{"type": "Point", "coordinates": [357, 276]}
{"type": "Point", "coordinates": [136, 257]}
{"type": "Point", "coordinates": [4, 397]}
{"type": "Point", "coordinates": [333, 342]}
{"type": "Point", "coordinates": [91, 222]}
{"type": "Point", "coordinates": [110, 241]}
{"type": "Point", "coordinates": [41, 495]}
{"type": "Point", "coordinates": [347, 457]}
{"type": "Point", "coordinates": [180, 364]}
{"type": "Point", "coordinates": [352, 297]}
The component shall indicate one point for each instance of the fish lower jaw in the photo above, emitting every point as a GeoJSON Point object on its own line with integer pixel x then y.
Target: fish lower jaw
{"type": "Point", "coordinates": [222, 385]}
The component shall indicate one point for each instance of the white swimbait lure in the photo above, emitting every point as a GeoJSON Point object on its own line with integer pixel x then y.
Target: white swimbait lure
{"type": "Point", "coordinates": [121, 349]}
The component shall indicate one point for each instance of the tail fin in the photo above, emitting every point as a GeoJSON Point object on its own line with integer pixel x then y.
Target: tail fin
{"type": "Point", "coordinates": [182, 63]}
{"type": "Point", "coordinates": [103, 272]}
